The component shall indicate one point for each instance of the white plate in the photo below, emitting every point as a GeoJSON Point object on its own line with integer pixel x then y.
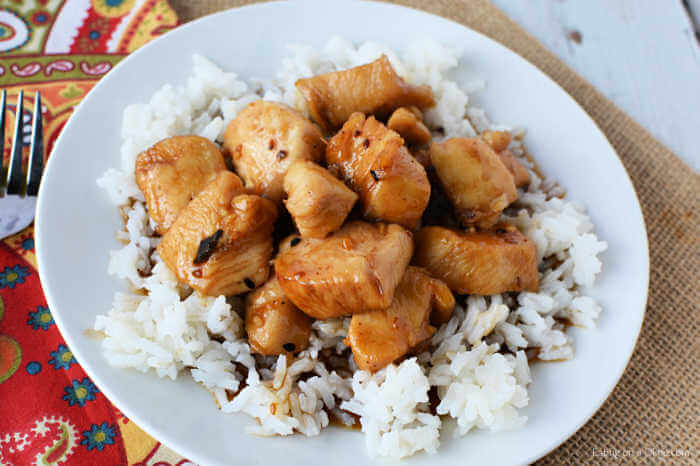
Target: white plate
{"type": "Point", "coordinates": [76, 228]}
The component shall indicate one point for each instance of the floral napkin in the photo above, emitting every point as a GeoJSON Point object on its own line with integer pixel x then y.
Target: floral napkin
{"type": "Point", "coordinates": [50, 411]}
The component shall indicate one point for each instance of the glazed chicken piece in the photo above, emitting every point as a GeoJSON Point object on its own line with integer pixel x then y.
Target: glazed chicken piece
{"type": "Point", "coordinates": [264, 139]}
{"type": "Point", "coordinates": [475, 180]}
{"type": "Point", "coordinates": [273, 323]}
{"type": "Point", "coordinates": [374, 89]}
{"type": "Point", "coordinates": [318, 201]}
{"type": "Point", "coordinates": [356, 269]}
{"type": "Point", "coordinates": [499, 141]}
{"type": "Point", "coordinates": [378, 338]}
{"type": "Point", "coordinates": [483, 263]}
{"type": "Point", "coordinates": [521, 177]}
{"type": "Point", "coordinates": [287, 243]}
{"type": "Point", "coordinates": [172, 172]}
{"type": "Point", "coordinates": [372, 159]}
{"type": "Point", "coordinates": [409, 126]}
{"type": "Point", "coordinates": [221, 243]}
{"type": "Point", "coordinates": [422, 156]}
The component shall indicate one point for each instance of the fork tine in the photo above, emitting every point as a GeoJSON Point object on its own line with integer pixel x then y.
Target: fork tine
{"type": "Point", "coordinates": [3, 99]}
{"type": "Point", "coordinates": [36, 151]}
{"type": "Point", "coordinates": [14, 173]}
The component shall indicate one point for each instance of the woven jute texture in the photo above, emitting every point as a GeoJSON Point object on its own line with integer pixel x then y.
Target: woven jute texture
{"type": "Point", "coordinates": [653, 411]}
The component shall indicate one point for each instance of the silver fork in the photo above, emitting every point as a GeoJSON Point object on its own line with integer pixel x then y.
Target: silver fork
{"type": "Point", "coordinates": [18, 189]}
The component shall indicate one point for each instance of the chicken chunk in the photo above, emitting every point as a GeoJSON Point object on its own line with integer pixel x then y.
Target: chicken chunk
{"type": "Point", "coordinates": [475, 180]}
{"type": "Point", "coordinates": [483, 263]}
{"type": "Point", "coordinates": [317, 200]}
{"type": "Point", "coordinates": [222, 241]}
{"type": "Point", "coordinates": [356, 269]}
{"type": "Point", "coordinates": [499, 141]}
{"type": "Point", "coordinates": [172, 172]}
{"type": "Point", "coordinates": [374, 89]}
{"type": "Point", "coordinates": [521, 176]}
{"type": "Point", "coordinates": [273, 323]}
{"type": "Point", "coordinates": [422, 156]}
{"type": "Point", "coordinates": [264, 139]}
{"type": "Point", "coordinates": [409, 126]}
{"type": "Point", "coordinates": [378, 338]}
{"type": "Point", "coordinates": [287, 243]}
{"type": "Point", "coordinates": [392, 185]}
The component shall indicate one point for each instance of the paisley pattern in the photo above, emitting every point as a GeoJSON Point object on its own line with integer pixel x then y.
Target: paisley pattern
{"type": "Point", "coordinates": [57, 415]}
{"type": "Point", "coordinates": [10, 352]}
{"type": "Point", "coordinates": [50, 440]}
{"type": "Point", "coordinates": [113, 8]}
{"type": "Point", "coordinates": [10, 357]}
{"type": "Point", "coordinates": [15, 31]}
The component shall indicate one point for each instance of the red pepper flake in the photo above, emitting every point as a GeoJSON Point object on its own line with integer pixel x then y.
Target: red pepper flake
{"type": "Point", "coordinates": [511, 237]}
{"type": "Point", "coordinates": [272, 144]}
{"type": "Point", "coordinates": [281, 155]}
{"type": "Point", "coordinates": [366, 143]}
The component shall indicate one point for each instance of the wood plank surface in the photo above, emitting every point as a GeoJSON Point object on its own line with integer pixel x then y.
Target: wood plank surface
{"type": "Point", "coordinates": [642, 54]}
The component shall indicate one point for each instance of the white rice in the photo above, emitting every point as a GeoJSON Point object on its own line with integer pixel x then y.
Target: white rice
{"type": "Point", "coordinates": [170, 331]}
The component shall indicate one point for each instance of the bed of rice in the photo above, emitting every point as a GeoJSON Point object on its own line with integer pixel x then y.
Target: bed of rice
{"type": "Point", "coordinates": [477, 361]}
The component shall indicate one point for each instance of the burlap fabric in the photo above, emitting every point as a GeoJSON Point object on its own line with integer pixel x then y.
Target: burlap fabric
{"type": "Point", "coordinates": [653, 412]}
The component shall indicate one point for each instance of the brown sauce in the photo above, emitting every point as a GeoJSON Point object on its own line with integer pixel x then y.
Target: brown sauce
{"type": "Point", "coordinates": [334, 420]}
{"type": "Point", "coordinates": [94, 334]}
{"type": "Point", "coordinates": [534, 353]}
{"type": "Point", "coordinates": [565, 322]}
{"type": "Point", "coordinates": [139, 291]}
{"type": "Point", "coordinates": [433, 399]}
{"type": "Point", "coordinates": [535, 167]}
{"type": "Point", "coordinates": [538, 171]}
{"type": "Point", "coordinates": [124, 209]}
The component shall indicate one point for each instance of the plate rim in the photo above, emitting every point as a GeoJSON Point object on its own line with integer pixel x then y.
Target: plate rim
{"type": "Point", "coordinates": [193, 455]}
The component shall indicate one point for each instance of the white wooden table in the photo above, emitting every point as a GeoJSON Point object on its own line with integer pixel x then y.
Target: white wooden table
{"type": "Point", "coordinates": [642, 54]}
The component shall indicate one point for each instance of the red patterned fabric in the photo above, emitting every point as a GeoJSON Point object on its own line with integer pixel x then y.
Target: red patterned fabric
{"type": "Point", "coordinates": [50, 411]}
